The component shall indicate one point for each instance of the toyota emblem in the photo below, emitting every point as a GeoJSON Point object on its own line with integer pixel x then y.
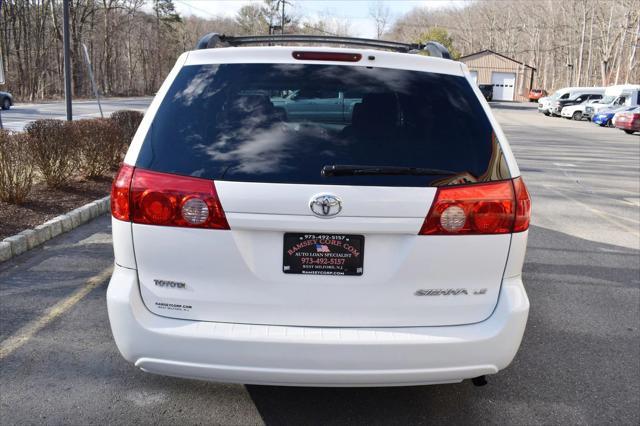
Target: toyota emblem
{"type": "Point", "coordinates": [325, 205]}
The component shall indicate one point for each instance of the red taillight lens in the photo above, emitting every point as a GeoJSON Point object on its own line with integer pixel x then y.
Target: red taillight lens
{"type": "Point", "coordinates": [120, 208]}
{"type": "Point", "coordinates": [327, 56]}
{"type": "Point", "coordinates": [156, 208]}
{"type": "Point", "coordinates": [171, 200]}
{"type": "Point", "coordinates": [153, 198]}
{"type": "Point", "coordinates": [523, 206]}
{"type": "Point", "coordinates": [491, 208]}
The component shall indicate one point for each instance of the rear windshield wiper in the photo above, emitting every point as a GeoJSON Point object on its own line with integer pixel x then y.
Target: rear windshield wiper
{"type": "Point", "coordinates": [355, 170]}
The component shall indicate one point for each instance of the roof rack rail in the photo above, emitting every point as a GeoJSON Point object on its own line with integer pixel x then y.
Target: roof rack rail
{"type": "Point", "coordinates": [215, 40]}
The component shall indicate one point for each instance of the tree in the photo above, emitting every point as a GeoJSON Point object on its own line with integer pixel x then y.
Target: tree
{"type": "Point", "coordinates": [251, 19]}
{"type": "Point", "coordinates": [165, 12]}
{"type": "Point", "coordinates": [274, 13]}
{"type": "Point", "coordinates": [596, 37]}
{"type": "Point", "coordinates": [379, 12]}
{"type": "Point", "coordinates": [133, 47]}
{"type": "Point", "coordinates": [166, 18]}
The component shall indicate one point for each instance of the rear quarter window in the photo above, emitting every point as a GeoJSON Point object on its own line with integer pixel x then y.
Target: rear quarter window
{"type": "Point", "coordinates": [283, 123]}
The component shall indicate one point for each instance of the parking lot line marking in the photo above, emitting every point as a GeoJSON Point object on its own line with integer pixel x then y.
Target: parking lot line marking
{"type": "Point", "coordinates": [22, 336]}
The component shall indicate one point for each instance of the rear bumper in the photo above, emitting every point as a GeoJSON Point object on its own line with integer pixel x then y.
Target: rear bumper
{"type": "Point", "coordinates": [628, 126]}
{"type": "Point", "coordinates": [310, 356]}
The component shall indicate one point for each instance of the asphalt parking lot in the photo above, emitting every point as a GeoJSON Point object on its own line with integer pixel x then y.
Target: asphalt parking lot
{"type": "Point", "coordinates": [579, 362]}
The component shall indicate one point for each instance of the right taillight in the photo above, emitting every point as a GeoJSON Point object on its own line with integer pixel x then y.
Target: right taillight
{"type": "Point", "coordinates": [523, 206]}
{"type": "Point", "coordinates": [153, 198]}
{"type": "Point", "coordinates": [479, 209]}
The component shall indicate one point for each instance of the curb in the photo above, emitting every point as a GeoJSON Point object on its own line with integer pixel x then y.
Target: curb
{"type": "Point", "coordinates": [26, 240]}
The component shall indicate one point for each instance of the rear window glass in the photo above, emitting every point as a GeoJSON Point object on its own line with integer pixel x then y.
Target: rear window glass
{"type": "Point", "coordinates": [283, 123]}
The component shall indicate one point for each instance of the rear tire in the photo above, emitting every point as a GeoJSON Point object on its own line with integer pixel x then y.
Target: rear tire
{"type": "Point", "coordinates": [577, 116]}
{"type": "Point", "coordinates": [546, 113]}
{"type": "Point", "coordinates": [6, 103]}
{"type": "Point", "coordinates": [627, 131]}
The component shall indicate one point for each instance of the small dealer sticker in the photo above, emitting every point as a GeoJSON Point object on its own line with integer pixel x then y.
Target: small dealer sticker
{"type": "Point", "coordinates": [173, 306]}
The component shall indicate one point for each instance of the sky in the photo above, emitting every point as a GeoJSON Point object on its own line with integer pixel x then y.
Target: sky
{"type": "Point", "coordinates": [355, 11]}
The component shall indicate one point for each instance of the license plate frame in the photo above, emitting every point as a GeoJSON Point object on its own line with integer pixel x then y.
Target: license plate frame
{"type": "Point", "coordinates": [323, 254]}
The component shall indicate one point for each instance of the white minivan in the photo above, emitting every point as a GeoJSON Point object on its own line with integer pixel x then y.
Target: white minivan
{"type": "Point", "coordinates": [553, 104]}
{"type": "Point", "coordinates": [615, 96]}
{"type": "Point", "coordinates": [254, 246]}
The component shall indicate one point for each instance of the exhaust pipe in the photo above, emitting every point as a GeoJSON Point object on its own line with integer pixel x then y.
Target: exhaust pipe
{"type": "Point", "coordinates": [479, 381]}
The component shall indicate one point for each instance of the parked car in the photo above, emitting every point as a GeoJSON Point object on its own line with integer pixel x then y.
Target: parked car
{"type": "Point", "coordinates": [605, 117]}
{"type": "Point", "coordinates": [545, 103]}
{"type": "Point", "coordinates": [536, 94]}
{"type": "Point", "coordinates": [577, 112]}
{"type": "Point", "coordinates": [548, 105]}
{"type": "Point", "coordinates": [616, 97]}
{"type": "Point", "coordinates": [575, 98]}
{"type": "Point", "coordinates": [487, 91]}
{"type": "Point", "coordinates": [251, 248]}
{"type": "Point", "coordinates": [629, 121]}
{"type": "Point", "coordinates": [577, 95]}
{"type": "Point", "coordinates": [306, 105]}
{"type": "Point", "coordinates": [6, 100]}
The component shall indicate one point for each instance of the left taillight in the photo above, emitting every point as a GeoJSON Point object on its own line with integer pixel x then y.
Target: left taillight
{"type": "Point", "coordinates": [479, 209]}
{"type": "Point", "coordinates": [153, 198]}
{"type": "Point", "coordinates": [120, 193]}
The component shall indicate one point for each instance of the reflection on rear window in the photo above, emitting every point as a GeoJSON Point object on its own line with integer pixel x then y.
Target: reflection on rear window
{"type": "Point", "coordinates": [282, 123]}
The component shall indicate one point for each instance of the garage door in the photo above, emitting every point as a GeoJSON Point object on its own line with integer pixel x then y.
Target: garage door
{"type": "Point", "coordinates": [474, 76]}
{"type": "Point", "coordinates": [503, 85]}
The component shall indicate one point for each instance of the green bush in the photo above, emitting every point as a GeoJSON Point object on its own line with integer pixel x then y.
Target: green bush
{"type": "Point", "coordinates": [100, 145]}
{"type": "Point", "coordinates": [53, 150]}
{"type": "Point", "coordinates": [16, 167]}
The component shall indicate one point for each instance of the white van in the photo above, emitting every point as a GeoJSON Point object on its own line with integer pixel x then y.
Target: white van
{"type": "Point", "coordinates": [576, 110]}
{"type": "Point", "coordinates": [549, 106]}
{"type": "Point", "coordinates": [577, 96]}
{"type": "Point", "coordinates": [621, 95]}
{"type": "Point", "coordinates": [257, 246]}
